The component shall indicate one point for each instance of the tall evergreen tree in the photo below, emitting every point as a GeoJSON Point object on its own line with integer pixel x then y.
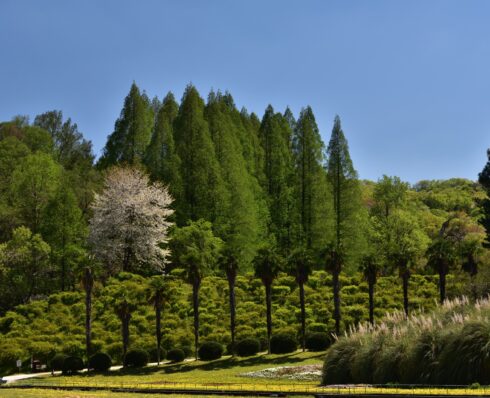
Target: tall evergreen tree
{"type": "Point", "coordinates": [275, 134]}
{"type": "Point", "coordinates": [310, 189]}
{"type": "Point", "coordinates": [204, 194]}
{"type": "Point", "coordinates": [346, 202]}
{"type": "Point", "coordinates": [161, 158]}
{"type": "Point", "coordinates": [241, 226]}
{"type": "Point", "coordinates": [132, 131]}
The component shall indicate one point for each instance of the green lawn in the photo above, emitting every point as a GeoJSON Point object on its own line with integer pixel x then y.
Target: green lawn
{"type": "Point", "coordinates": [225, 371]}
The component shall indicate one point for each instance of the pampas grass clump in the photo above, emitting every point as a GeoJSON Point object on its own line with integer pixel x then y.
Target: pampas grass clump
{"type": "Point", "coordinates": [450, 346]}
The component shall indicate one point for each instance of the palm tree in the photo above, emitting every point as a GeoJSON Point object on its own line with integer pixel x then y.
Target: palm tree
{"type": "Point", "coordinates": [300, 266]}
{"type": "Point", "coordinates": [156, 298]}
{"type": "Point", "coordinates": [267, 264]}
{"type": "Point", "coordinates": [441, 256]}
{"type": "Point", "coordinates": [127, 294]}
{"type": "Point", "coordinates": [370, 269]}
{"type": "Point", "coordinates": [195, 249]}
{"type": "Point", "coordinates": [228, 262]}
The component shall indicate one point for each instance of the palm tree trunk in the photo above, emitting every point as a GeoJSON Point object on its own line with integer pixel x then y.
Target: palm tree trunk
{"type": "Point", "coordinates": [195, 301]}
{"type": "Point", "coordinates": [371, 301]}
{"type": "Point", "coordinates": [336, 299]}
{"type": "Point", "coordinates": [158, 319]}
{"type": "Point", "coordinates": [88, 284]}
{"type": "Point", "coordinates": [405, 277]}
{"type": "Point", "coordinates": [125, 331]}
{"type": "Point", "coordinates": [268, 300]}
{"type": "Point", "coordinates": [442, 285]}
{"type": "Point", "coordinates": [303, 314]}
{"type": "Point", "coordinates": [231, 284]}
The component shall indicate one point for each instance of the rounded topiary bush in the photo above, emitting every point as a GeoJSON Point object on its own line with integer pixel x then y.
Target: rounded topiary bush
{"type": "Point", "coordinates": [188, 351]}
{"type": "Point", "coordinates": [72, 365]}
{"type": "Point", "coordinates": [153, 354]}
{"type": "Point", "coordinates": [56, 362]}
{"type": "Point", "coordinates": [317, 341]}
{"type": "Point", "coordinates": [283, 343]}
{"type": "Point", "coordinates": [136, 358]}
{"type": "Point", "coordinates": [264, 343]}
{"type": "Point", "coordinates": [175, 355]}
{"type": "Point", "coordinates": [210, 350]}
{"type": "Point", "coordinates": [100, 362]}
{"type": "Point", "coordinates": [247, 347]}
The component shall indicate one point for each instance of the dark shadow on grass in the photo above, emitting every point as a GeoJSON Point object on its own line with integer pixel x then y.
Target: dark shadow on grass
{"type": "Point", "coordinates": [219, 364]}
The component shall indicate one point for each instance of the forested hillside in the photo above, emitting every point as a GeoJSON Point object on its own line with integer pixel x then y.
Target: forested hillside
{"type": "Point", "coordinates": [236, 210]}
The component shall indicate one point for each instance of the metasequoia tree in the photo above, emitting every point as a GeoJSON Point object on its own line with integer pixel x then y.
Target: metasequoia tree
{"type": "Point", "coordinates": [346, 203]}
{"type": "Point", "coordinates": [130, 222]}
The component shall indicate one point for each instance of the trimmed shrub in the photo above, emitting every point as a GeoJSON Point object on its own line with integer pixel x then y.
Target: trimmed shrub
{"type": "Point", "coordinates": [247, 347]}
{"type": "Point", "coordinates": [153, 354]}
{"type": "Point", "coordinates": [176, 355]}
{"type": "Point", "coordinates": [264, 345]}
{"type": "Point", "coordinates": [72, 365]}
{"type": "Point", "coordinates": [56, 362]}
{"type": "Point", "coordinates": [115, 351]}
{"type": "Point", "coordinates": [100, 362]}
{"type": "Point", "coordinates": [188, 351]}
{"type": "Point", "coordinates": [210, 350]}
{"type": "Point", "coordinates": [317, 341]}
{"type": "Point", "coordinates": [283, 343]}
{"type": "Point", "coordinates": [136, 358]}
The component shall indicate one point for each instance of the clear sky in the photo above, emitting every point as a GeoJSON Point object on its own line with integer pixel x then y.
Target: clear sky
{"type": "Point", "coordinates": [409, 79]}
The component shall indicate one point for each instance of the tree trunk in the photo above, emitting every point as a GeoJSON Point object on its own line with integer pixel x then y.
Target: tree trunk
{"type": "Point", "coordinates": [158, 319]}
{"type": "Point", "coordinates": [405, 277]}
{"type": "Point", "coordinates": [268, 300]}
{"type": "Point", "coordinates": [125, 319]}
{"type": "Point", "coordinates": [88, 283]}
{"type": "Point", "coordinates": [231, 275]}
{"type": "Point", "coordinates": [336, 299]}
{"type": "Point", "coordinates": [63, 272]}
{"type": "Point", "coordinates": [371, 300]}
{"type": "Point", "coordinates": [195, 301]}
{"type": "Point", "coordinates": [442, 285]}
{"type": "Point", "coordinates": [303, 314]}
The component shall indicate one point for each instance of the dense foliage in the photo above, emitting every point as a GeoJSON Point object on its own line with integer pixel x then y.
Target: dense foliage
{"type": "Point", "coordinates": [254, 220]}
{"type": "Point", "coordinates": [100, 362]}
{"type": "Point", "coordinates": [247, 347]}
{"type": "Point", "coordinates": [136, 358]}
{"type": "Point", "coordinates": [283, 343]}
{"type": "Point", "coordinates": [210, 350]}
{"type": "Point", "coordinates": [446, 346]}
{"type": "Point", "coordinates": [176, 355]}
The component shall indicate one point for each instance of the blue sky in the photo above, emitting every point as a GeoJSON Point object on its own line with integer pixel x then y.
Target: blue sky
{"type": "Point", "coordinates": [409, 79]}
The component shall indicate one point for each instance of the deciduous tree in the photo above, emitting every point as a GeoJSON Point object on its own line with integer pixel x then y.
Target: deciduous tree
{"type": "Point", "coordinates": [130, 222]}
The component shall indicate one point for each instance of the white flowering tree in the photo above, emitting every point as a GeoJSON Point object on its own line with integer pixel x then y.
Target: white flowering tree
{"type": "Point", "coordinates": [130, 222]}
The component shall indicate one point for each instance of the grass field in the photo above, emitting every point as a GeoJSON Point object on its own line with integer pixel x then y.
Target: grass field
{"type": "Point", "coordinates": [222, 374]}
